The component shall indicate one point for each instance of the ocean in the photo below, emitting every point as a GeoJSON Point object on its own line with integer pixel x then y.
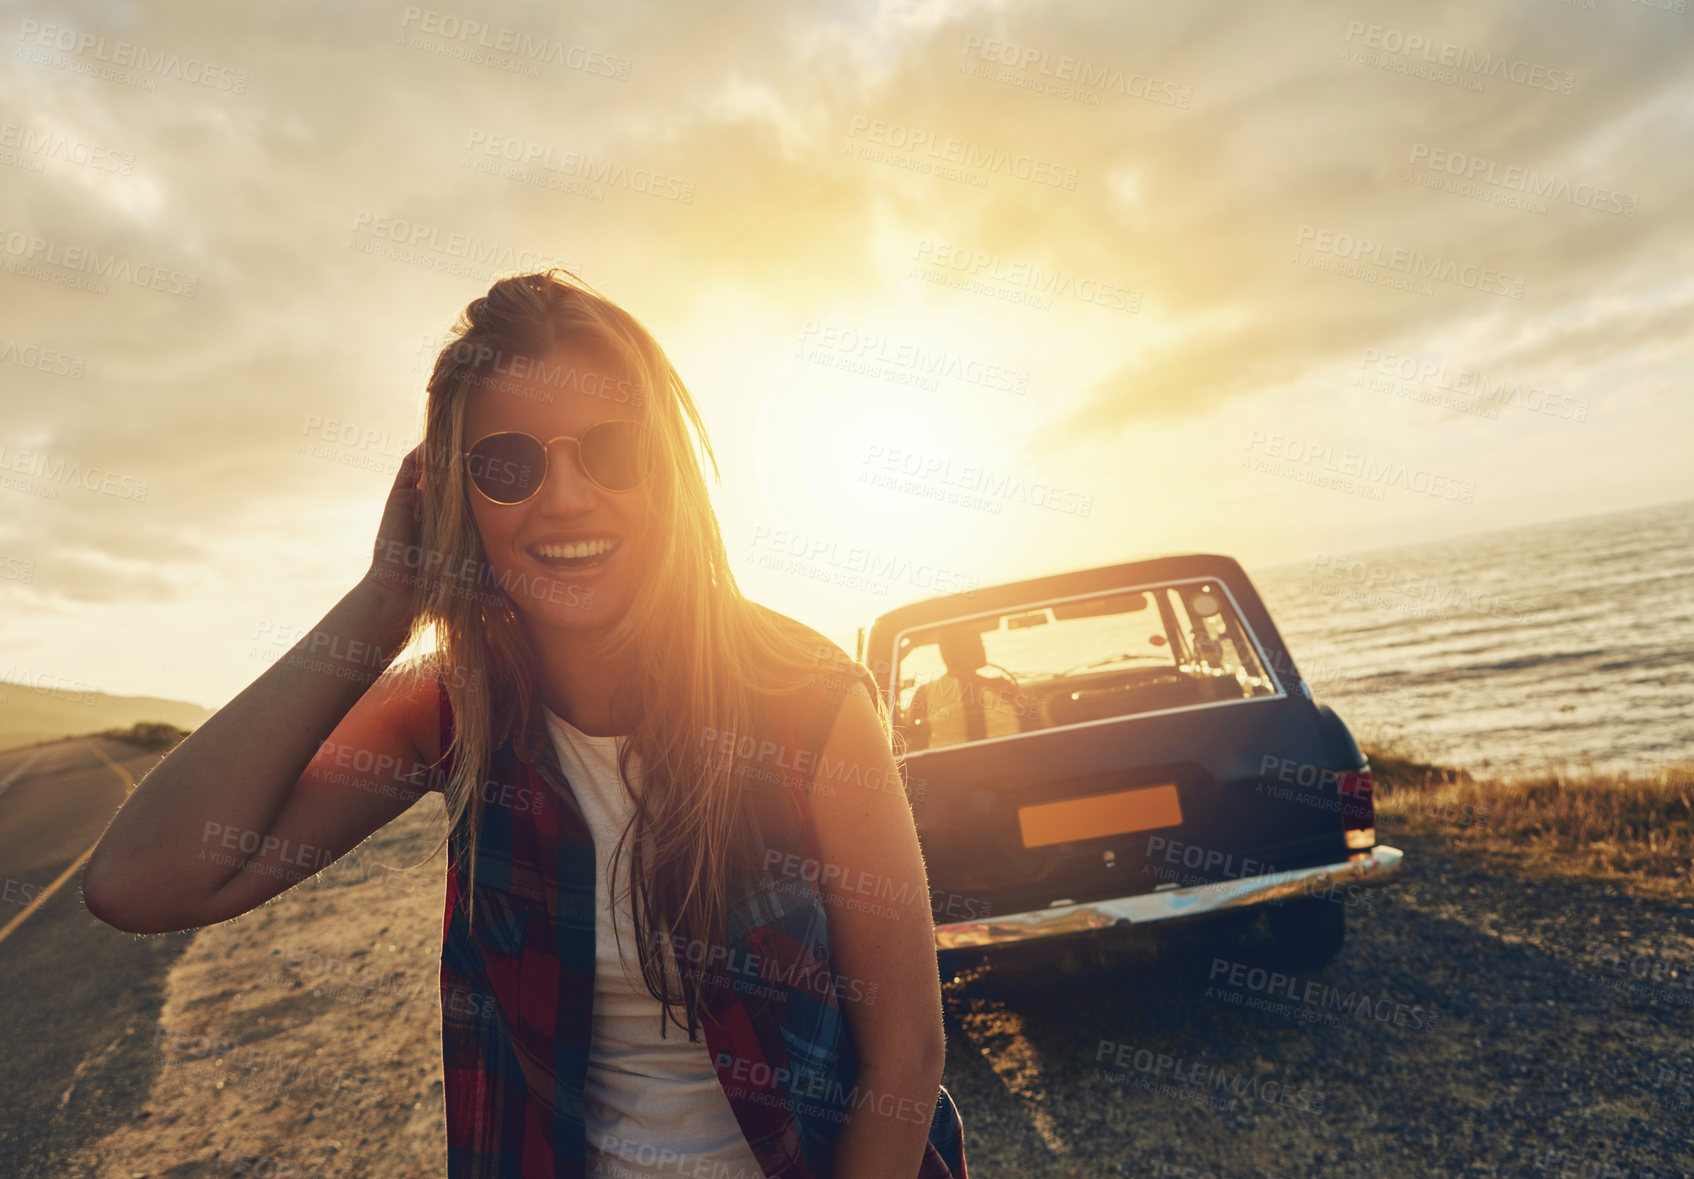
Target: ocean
{"type": "Point", "coordinates": [1562, 645]}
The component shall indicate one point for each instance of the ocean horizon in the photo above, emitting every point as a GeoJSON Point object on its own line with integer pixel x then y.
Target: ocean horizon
{"type": "Point", "coordinates": [1565, 645]}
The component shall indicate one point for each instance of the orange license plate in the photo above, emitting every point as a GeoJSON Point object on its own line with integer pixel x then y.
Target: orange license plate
{"type": "Point", "coordinates": [1100, 814]}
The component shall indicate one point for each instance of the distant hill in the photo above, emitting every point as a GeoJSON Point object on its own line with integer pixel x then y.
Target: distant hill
{"type": "Point", "coordinates": [29, 714]}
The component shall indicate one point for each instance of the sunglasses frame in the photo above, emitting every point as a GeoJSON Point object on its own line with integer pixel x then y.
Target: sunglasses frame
{"type": "Point", "coordinates": [547, 462]}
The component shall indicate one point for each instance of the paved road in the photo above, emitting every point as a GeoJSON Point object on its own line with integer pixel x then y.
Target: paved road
{"type": "Point", "coordinates": [81, 998]}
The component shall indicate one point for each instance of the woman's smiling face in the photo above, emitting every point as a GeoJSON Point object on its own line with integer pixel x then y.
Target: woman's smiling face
{"type": "Point", "coordinates": [529, 545]}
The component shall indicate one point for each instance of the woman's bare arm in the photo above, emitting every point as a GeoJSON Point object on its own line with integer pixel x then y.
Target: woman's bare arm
{"type": "Point", "coordinates": [883, 938]}
{"type": "Point", "coordinates": [267, 790]}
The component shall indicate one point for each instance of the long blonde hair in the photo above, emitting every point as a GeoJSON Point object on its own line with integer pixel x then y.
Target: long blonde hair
{"type": "Point", "coordinates": [702, 653]}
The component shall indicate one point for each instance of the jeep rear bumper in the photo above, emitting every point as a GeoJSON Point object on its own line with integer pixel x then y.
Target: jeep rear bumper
{"type": "Point", "coordinates": [1170, 904]}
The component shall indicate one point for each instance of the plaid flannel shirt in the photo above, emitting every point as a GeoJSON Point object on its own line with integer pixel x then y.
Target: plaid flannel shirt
{"type": "Point", "coordinates": [517, 988]}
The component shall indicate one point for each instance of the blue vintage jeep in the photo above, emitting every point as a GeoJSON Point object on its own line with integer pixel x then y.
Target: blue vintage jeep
{"type": "Point", "coordinates": [1120, 753]}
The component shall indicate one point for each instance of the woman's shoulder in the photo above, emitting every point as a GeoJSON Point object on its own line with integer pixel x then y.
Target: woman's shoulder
{"type": "Point", "coordinates": [828, 676]}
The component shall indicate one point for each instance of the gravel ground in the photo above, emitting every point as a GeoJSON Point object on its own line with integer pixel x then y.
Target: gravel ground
{"type": "Point", "coordinates": [1475, 1024]}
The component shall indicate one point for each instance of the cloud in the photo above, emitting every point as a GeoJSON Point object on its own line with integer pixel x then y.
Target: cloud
{"type": "Point", "coordinates": [1203, 137]}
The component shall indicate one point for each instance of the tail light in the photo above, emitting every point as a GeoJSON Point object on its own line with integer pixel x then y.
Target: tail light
{"type": "Point", "coordinates": [1358, 809]}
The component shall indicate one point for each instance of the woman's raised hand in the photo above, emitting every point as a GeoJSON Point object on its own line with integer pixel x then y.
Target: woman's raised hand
{"type": "Point", "coordinates": [396, 560]}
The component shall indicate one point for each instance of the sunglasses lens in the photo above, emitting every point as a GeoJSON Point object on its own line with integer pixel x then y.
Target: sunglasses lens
{"type": "Point", "coordinates": [507, 468]}
{"type": "Point", "coordinates": [611, 454]}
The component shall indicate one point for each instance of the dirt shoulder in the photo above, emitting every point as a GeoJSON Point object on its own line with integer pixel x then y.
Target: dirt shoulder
{"type": "Point", "coordinates": [1478, 1023]}
{"type": "Point", "coordinates": [303, 1038]}
{"type": "Point", "coordinates": [1484, 1020]}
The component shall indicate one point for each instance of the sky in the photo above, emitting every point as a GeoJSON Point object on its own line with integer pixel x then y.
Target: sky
{"type": "Point", "coordinates": [967, 292]}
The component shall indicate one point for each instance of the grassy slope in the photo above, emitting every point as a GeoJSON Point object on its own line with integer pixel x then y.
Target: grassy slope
{"type": "Point", "coordinates": [1637, 830]}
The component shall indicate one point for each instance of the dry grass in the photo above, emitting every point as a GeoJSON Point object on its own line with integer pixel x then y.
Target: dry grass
{"type": "Point", "coordinates": [148, 735]}
{"type": "Point", "coordinates": [1637, 830]}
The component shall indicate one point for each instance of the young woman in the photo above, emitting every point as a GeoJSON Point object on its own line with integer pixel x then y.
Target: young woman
{"type": "Point", "coordinates": [688, 927]}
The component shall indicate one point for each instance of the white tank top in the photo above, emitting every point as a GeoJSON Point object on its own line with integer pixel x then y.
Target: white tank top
{"type": "Point", "coordinates": [654, 1107]}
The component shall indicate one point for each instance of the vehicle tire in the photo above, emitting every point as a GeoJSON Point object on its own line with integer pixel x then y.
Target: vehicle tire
{"type": "Point", "coordinates": [1309, 932]}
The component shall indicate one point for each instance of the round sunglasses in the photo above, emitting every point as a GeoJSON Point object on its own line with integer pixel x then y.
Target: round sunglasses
{"type": "Point", "coordinates": [509, 466]}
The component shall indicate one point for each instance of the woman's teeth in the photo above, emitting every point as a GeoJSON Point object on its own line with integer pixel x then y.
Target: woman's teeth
{"type": "Point", "coordinates": [575, 556]}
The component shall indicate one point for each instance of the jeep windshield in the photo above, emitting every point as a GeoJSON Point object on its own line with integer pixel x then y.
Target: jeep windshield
{"type": "Point", "coordinates": [1074, 661]}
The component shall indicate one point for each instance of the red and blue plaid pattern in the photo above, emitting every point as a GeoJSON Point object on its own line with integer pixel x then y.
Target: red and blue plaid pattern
{"type": "Point", "coordinates": [517, 987]}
